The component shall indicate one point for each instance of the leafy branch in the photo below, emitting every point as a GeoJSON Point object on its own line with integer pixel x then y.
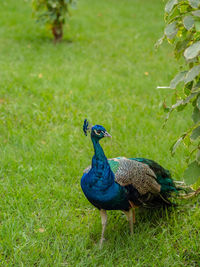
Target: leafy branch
{"type": "Point", "coordinates": [182, 18]}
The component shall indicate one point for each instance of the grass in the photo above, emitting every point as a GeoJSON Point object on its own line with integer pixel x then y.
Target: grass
{"type": "Point", "coordinates": [106, 70]}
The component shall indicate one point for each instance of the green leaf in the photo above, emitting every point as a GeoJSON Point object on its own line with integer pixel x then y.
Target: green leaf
{"type": "Point", "coordinates": [178, 103]}
{"type": "Point", "coordinates": [196, 115]}
{"type": "Point", "coordinates": [192, 173]}
{"type": "Point", "coordinates": [180, 45]}
{"type": "Point", "coordinates": [197, 25]}
{"type": "Point", "coordinates": [192, 51]}
{"type": "Point", "coordinates": [196, 13]}
{"type": "Point", "coordinates": [159, 41]}
{"type": "Point", "coordinates": [187, 88]}
{"type": "Point", "coordinates": [181, 107]}
{"type": "Point", "coordinates": [183, 102]}
{"type": "Point", "coordinates": [173, 99]}
{"type": "Point", "coordinates": [198, 102]}
{"type": "Point", "coordinates": [188, 22]}
{"type": "Point", "coordinates": [176, 144]}
{"type": "Point", "coordinates": [177, 79]}
{"type": "Point", "coordinates": [184, 7]}
{"type": "Point", "coordinates": [187, 141]}
{"type": "Point", "coordinates": [187, 99]}
{"type": "Point", "coordinates": [194, 3]}
{"type": "Point", "coordinates": [169, 6]}
{"type": "Point", "coordinates": [196, 87]}
{"type": "Point", "coordinates": [171, 30]}
{"type": "Point", "coordinates": [51, 12]}
{"type": "Point", "coordinates": [192, 74]}
{"type": "Point", "coordinates": [195, 133]}
{"type": "Point", "coordinates": [198, 156]}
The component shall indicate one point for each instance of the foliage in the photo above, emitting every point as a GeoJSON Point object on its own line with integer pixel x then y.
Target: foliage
{"type": "Point", "coordinates": [45, 93]}
{"type": "Point", "coordinates": [182, 30]}
{"type": "Point", "coordinates": [52, 13]}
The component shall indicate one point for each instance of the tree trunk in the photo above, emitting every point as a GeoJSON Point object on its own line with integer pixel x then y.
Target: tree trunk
{"type": "Point", "coordinates": [57, 31]}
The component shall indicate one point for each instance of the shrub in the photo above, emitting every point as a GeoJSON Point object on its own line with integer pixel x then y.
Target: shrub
{"type": "Point", "coordinates": [182, 30]}
{"type": "Point", "coordinates": [52, 13]}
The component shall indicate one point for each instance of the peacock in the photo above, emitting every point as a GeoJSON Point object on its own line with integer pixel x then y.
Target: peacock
{"type": "Point", "coordinates": [124, 183]}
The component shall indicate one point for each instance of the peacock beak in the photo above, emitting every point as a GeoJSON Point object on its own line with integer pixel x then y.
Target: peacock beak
{"type": "Point", "coordinates": [106, 134]}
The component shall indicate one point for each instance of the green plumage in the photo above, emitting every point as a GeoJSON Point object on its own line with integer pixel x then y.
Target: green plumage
{"type": "Point", "coordinates": [153, 182]}
{"type": "Point", "coordinates": [163, 175]}
{"type": "Point", "coordinates": [114, 165]}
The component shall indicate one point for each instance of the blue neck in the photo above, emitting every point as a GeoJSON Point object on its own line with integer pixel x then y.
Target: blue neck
{"type": "Point", "coordinates": [98, 151]}
{"type": "Point", "coordinates": [100, 165]}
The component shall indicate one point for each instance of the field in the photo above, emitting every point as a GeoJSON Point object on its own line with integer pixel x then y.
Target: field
{"type": "Point", "coordinates": [106, 70]}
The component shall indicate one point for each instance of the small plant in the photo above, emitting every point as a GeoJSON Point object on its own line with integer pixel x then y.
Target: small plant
{"type": "Point", "coordinates": [52, 13]}
{"type": "Point", "coordinates": [182, 30]}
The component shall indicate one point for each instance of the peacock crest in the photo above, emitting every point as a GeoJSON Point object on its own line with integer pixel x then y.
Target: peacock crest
{"type": "Point", "coordinates": [86, 127]}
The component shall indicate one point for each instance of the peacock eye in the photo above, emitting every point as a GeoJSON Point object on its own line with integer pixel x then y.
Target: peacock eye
{"type": "Point", "coordinates": [97, 132]}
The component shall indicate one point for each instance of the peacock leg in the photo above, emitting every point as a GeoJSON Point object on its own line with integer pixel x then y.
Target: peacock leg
{"type": "Point", "coordinates": [129, 216]}
{"type": "Point", "coordinates": [133, 207]}
{"type": "Point", "coordinates": [104, 222]}
{"type": "Point", "coordinates": [133, 215]}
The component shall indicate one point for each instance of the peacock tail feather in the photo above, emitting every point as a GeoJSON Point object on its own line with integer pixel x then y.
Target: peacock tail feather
{"type": "Point", "coordinates": [169, 187]}
{"type": "Point", "coordinates": [163, 175]}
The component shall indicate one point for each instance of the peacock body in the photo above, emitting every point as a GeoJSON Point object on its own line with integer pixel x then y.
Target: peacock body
{"type": "Point", "coordinates": [123, 183]}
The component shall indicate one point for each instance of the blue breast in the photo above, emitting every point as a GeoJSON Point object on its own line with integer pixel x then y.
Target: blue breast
{"type": "Point", "coordinates": [101, 190]}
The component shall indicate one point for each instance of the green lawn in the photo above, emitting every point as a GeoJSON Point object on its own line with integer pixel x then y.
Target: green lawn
{"type": "Point", "coordinates": [106, 70]}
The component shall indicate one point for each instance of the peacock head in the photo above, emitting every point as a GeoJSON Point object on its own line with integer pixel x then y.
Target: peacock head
{"type": "Point", "coordinates": [97, 131]}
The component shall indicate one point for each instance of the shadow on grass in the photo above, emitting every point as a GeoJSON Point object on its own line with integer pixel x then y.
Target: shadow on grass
{"type": "Point", "coordinates": [147, 220]}
{"type": "Point", "coordinates": [49, 40]}
{"type": "Point", "coordinates": [41, 39]}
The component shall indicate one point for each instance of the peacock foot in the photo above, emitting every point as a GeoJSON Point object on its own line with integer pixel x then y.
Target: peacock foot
{"type": "Point", "coordinates": [101, 242]}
